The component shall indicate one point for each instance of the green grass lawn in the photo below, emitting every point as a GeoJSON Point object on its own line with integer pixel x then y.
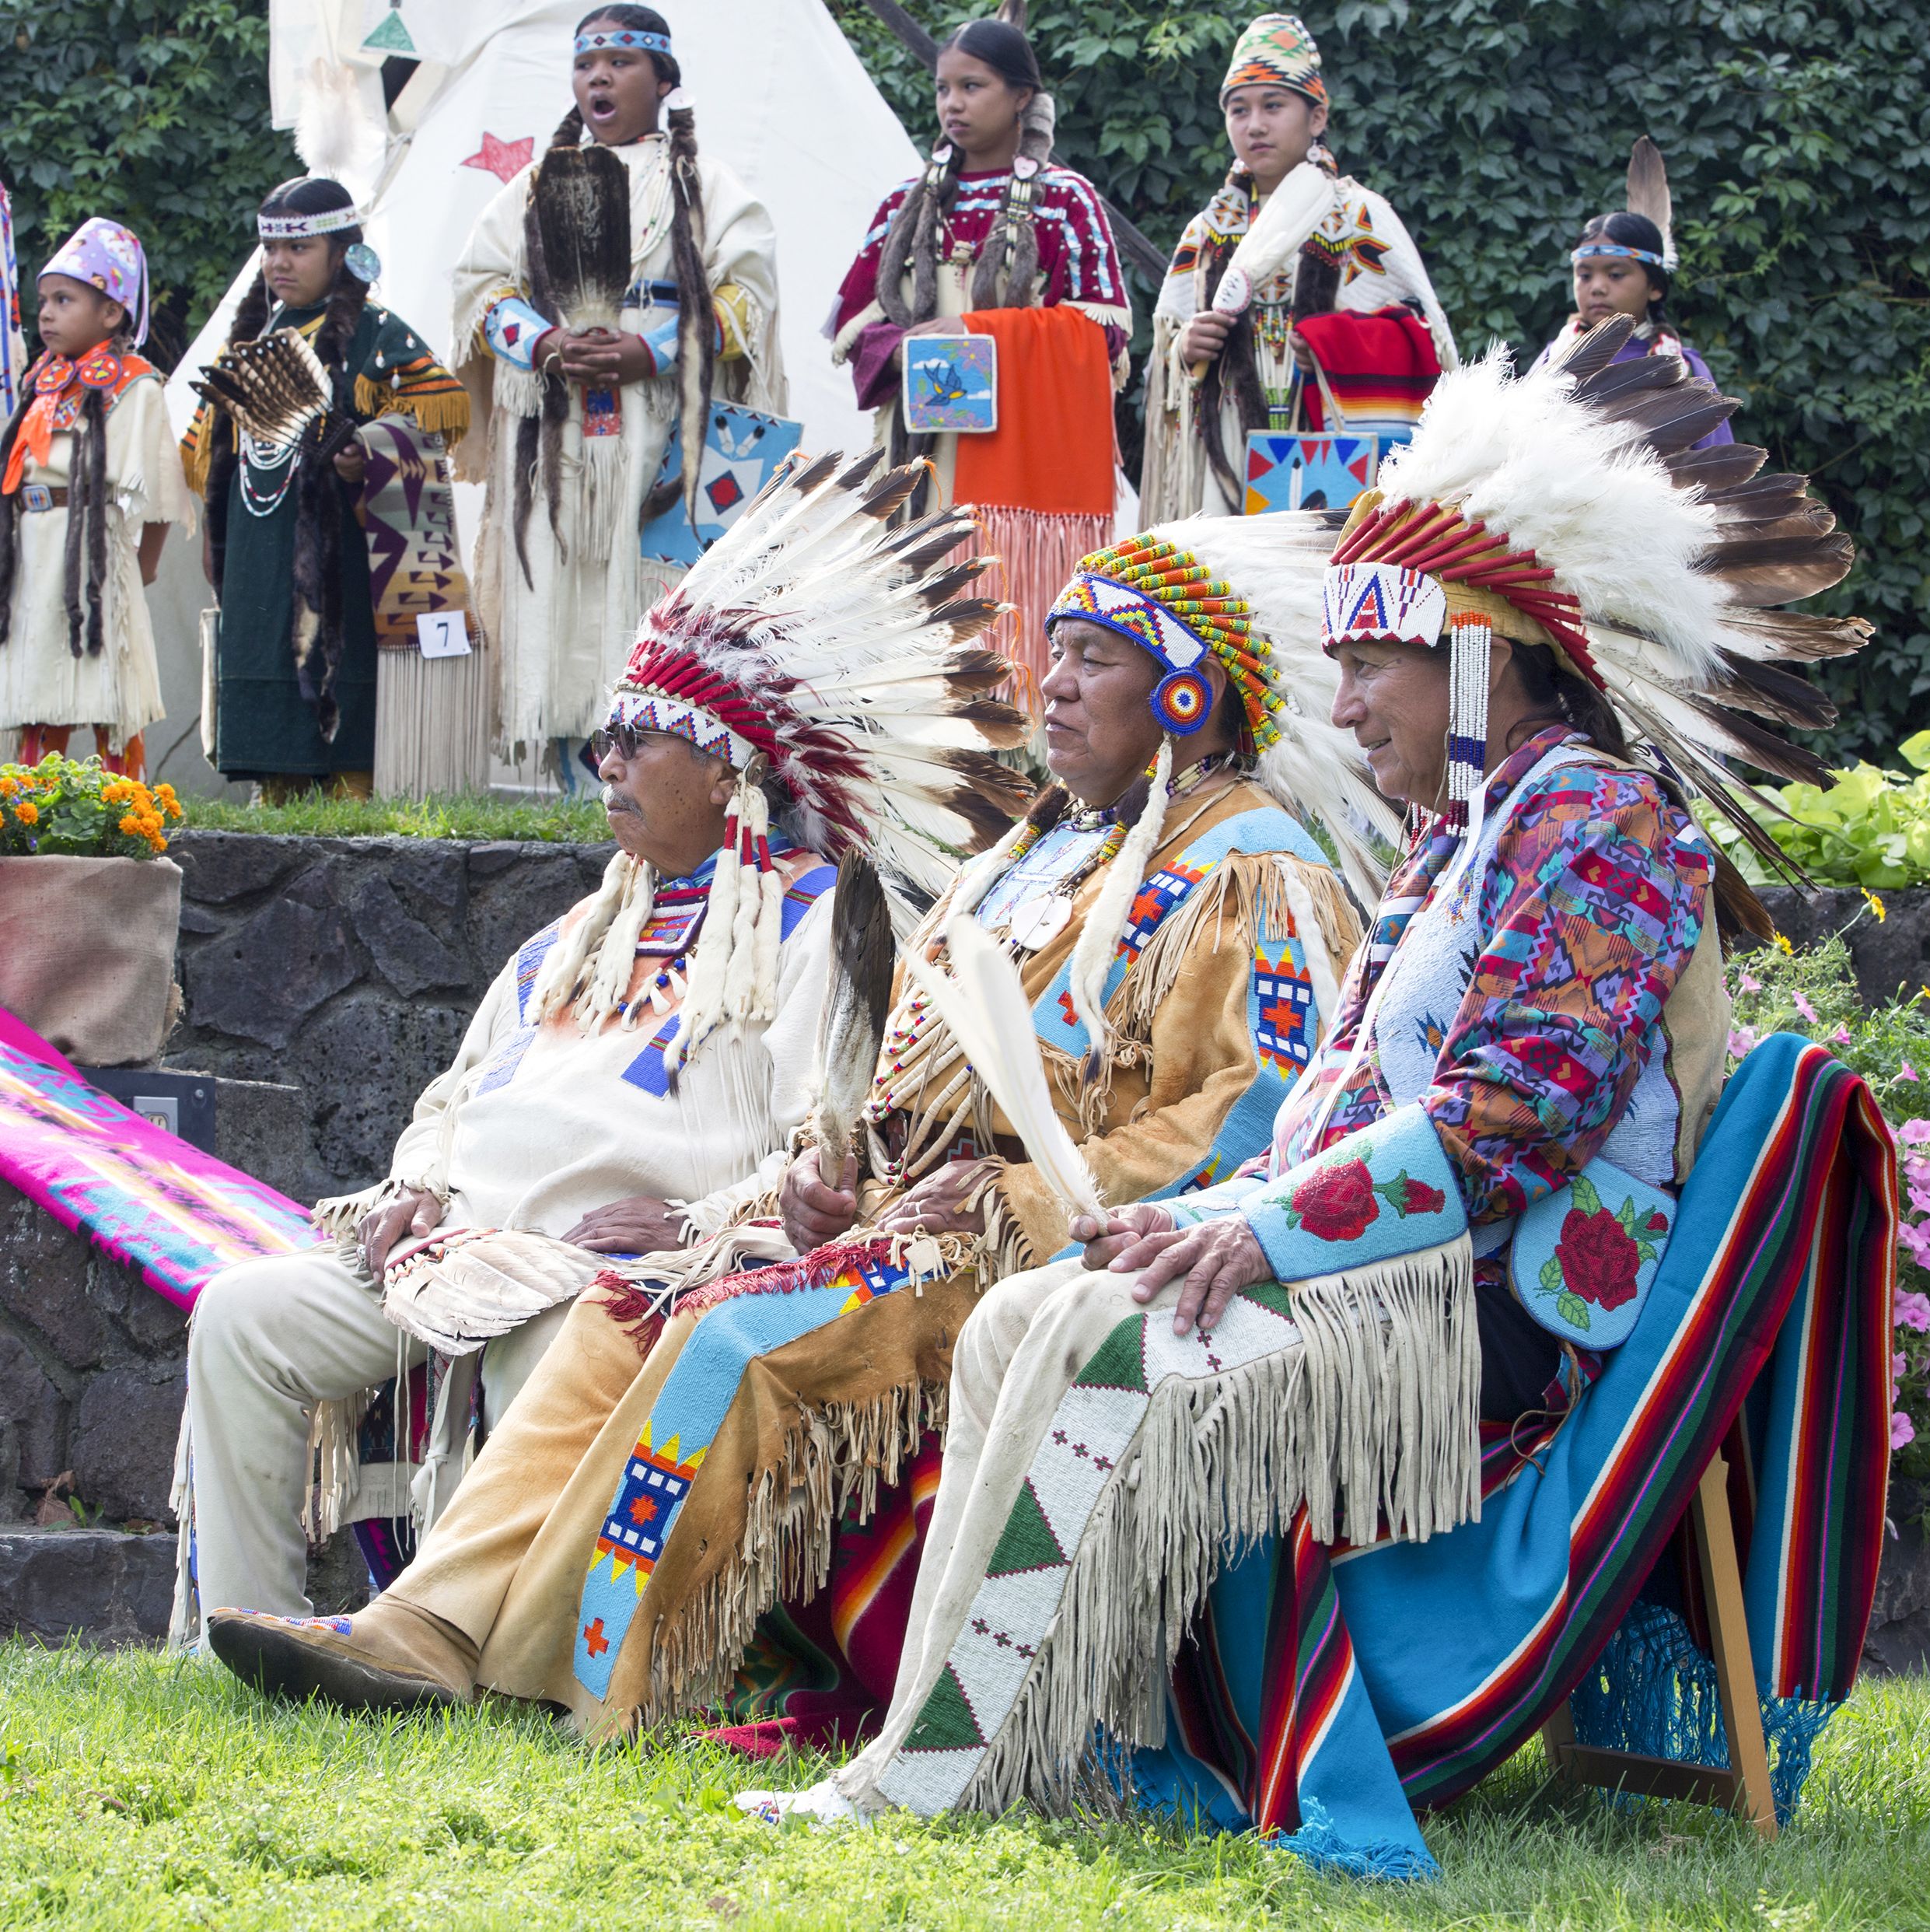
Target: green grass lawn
{"type": "Point", "coordinates": [135, 1791]}
{"type": "Point", "coordinates": [479, 815]}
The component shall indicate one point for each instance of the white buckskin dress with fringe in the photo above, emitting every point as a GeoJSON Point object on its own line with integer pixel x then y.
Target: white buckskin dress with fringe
{"type": "Point", "coordinates": [562, 628]}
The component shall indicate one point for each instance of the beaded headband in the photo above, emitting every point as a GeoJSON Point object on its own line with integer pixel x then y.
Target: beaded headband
{"type": "Point", "coordinates": [1377, 601]}
{"type": "Point", "coordinates": [1164, 599]}
{"type": "Point", "coordinates": [306, 227]}
{"type": "Point", "coordinates": [1620, 248]}
{"type": "Point", "coordinates": [625, 37]}
{"type": "Point", "coordinates": [649, 710]}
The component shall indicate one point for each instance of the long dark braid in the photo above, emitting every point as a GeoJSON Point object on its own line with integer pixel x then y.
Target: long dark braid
{"type": "Point", "coordinates": [539, 438]}
{"type": "Point", "coordinates": [10, 510]}
{"type": "Point", "coordinates": [696, 319]}
{"type": "Point", "coordinates": [85, 581]}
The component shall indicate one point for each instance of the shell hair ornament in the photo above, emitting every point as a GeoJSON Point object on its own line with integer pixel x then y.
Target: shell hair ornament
{"type": "Point", "coordinates": [831, 661]}
{"type": "Point", "coordinates": [1568, 507]}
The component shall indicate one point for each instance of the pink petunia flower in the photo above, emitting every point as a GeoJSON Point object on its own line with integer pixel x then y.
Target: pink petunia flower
{"type": "Point", "coordinates": [1913, 1133]}
{"type": "Point", "coordinates": [1915, 1236]}
{"type": "Point", "coordinates": [1749, 983]}
{"type": "Point", "coordinates": [1841, 1037]}
{"type": "Point", "coordinates": [1903, 1431]}
{"type": "Point", "coordinates": [1804, 1008]}
{"type": "Point", "coordinates": [1906, 1072]}
{"type": "Point", "coordinates": [1742, 1040]}
{"type": "Point", "coordinates": [1913, 1311]}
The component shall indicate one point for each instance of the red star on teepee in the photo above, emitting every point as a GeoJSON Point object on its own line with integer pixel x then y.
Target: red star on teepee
{"type": "Point", "coordinates": [503, 159]}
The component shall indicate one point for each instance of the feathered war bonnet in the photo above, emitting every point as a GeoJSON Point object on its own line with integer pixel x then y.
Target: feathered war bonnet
{"type": "Point", "coordinates": [1220, 587]}
{"type": "Point", "coordinates": [1568, 507]}
{"type": "Point", "coordinates": [829, 660]}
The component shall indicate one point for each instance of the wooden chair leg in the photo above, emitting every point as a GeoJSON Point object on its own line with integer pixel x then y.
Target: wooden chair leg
{"type": "Point", "coordinates": [1735, 1669]}
{"type": "Point", "coordinates": [1744, 1786]}
{"type": "Point", "coordinates": [1557, 1740]}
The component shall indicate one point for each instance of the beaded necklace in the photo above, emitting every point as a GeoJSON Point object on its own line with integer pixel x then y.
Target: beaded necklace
{"type": "Point", "coordinates": [269, 460]}
{"type": "Point", "coordinates": [914, 1042]}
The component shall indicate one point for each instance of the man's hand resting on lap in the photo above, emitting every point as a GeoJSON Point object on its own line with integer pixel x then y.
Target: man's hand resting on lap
{"type": "Point", "coordinates": [638, 1224]}
{"type": "Point", "coordinates": [1217, 1258]}
{"type": "Point", "coordinates": [413, 1217]}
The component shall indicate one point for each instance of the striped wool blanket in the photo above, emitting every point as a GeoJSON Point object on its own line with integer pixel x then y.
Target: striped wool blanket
{"type": "Point", "coordinates": [1329, 1692]}
{"type": "Point", "coordinates": [144, 1194]}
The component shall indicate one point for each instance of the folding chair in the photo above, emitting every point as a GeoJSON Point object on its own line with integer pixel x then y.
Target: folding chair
{"type": "Point", "coordinates": [1744, 1786]}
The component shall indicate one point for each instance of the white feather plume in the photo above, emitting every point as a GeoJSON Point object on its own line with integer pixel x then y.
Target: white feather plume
{"type": "Point", "coordinates": [1520, 453]}
{"type": "Point", "coordinates": [333, 134]}
{"type": "Point", "coordinates": [983, 1005]}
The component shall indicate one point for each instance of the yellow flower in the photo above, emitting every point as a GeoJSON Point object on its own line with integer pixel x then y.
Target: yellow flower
{"type": "Point", "coordinates": [27, 812]}
{"type": "Point", "coordinates": [1875, 905]}
{"type": "Point", "coordinates": [1784, 946]}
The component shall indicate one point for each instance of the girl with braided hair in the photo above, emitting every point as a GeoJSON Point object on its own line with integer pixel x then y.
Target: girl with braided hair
{"type": "Point", "coordinates": [996, 239]}
{"type": "Point", "coordinates": [88, 484]}
{"type": "Point", "coordinates": [295, 658]}
{"type": "Point", "coordinates": [579, 414]}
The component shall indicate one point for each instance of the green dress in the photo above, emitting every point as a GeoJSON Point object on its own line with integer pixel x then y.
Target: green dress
{"type": "Point", "coordinates": [263, 725]}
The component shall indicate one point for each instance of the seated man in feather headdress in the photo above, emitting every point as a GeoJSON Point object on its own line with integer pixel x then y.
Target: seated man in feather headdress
{"type": "Point", "coordinates": [635, 1074]}
{"type": "Point", "coordinates": [672, 1470]}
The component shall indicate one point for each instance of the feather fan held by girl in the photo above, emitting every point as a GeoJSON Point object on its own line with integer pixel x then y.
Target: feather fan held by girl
{"type": "Point", "coordinates": [605, 294]}
{"type": "Point", "coordinates": [273, 448]}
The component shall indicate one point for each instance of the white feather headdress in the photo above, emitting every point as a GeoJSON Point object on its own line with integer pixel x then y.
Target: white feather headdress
{"type": "Point", "coordinates": [831, 660]}
{"type": "Point", "coordinates": [1569, 507]}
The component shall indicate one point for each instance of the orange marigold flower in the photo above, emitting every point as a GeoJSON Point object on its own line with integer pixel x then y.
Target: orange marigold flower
{"type": "Point", "coordinates": [27, 812]}
{"type": "Point", "coordinates": [130, 823]}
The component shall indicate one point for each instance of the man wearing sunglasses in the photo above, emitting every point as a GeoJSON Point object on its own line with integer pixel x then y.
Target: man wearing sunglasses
{"type": "Point", "coordinates": [582, 1119]}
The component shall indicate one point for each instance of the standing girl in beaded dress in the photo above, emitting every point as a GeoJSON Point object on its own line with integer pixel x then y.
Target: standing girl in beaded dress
{"type": "Point", "coordinates": [88, 484]}
{"type": "Point", "coordinates": [294, 659]}
{"type": "Point", "coordinates": [994, 238]}
{"type": "Point", "coordinates": [579, 418]}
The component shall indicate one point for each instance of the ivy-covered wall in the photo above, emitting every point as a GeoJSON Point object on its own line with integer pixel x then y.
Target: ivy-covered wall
{"type": "Point", "coordinates": [1797, 139]}
{"type": "Point", "coordinates": [150, 112]}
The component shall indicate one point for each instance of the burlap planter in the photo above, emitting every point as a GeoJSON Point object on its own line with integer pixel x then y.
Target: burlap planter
{"type": "Point", "coordinates": [87, 953]}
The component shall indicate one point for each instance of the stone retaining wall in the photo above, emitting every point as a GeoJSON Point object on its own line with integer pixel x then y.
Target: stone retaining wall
{"type": "Point", "coordinates": [342, 973]}
{"type": "Point", "coordinates": [349, 968]}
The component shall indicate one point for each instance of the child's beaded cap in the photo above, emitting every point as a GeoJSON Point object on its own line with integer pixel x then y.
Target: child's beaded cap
{"type": "Point", "coordinates": [1165, 599]}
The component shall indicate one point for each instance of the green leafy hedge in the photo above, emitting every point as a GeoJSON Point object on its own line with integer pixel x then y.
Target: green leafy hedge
{"type": "Point", "coordinates": [150, 112]}
{"type": "Point", "coordinates": [1797, 138]}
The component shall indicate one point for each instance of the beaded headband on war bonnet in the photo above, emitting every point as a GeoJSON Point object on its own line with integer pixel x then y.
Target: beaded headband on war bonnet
{"type": "Point", "coordinates": [1166, 600]}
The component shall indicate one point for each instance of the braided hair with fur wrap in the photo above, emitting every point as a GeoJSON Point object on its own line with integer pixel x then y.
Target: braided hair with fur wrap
{"type": "Point", "coordinates": [539, 444]}
{"type": "Point", "coordinates": [1007, 265]}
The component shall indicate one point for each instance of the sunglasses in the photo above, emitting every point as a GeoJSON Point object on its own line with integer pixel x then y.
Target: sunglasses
{"type": "Point", "coordinates": [623, 738]}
